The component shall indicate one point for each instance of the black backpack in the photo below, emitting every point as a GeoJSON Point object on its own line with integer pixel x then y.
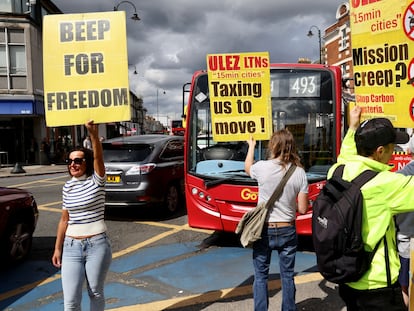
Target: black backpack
{"type": "Point", "coordinates": [336, 228]}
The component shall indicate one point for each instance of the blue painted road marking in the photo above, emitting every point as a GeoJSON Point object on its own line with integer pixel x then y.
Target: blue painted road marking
{"type": "Point", "coordinates": [146, 275]}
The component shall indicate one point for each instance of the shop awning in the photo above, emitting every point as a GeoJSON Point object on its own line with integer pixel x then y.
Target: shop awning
{"type": "Point", "coordinates": [21, 107]}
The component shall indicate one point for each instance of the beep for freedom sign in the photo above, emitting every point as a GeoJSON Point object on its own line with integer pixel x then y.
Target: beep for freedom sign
{"type": "Point", "coordinates": [85, 68]}
{"type": "Point", "coordinates": [382, 38]}
{"type": "Point", "coordinates": [239, 87]}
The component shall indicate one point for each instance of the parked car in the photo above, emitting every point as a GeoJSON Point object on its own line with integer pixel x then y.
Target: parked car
{"type": "Point", "coordinates": [18, 220]}
{"type": "Point", "coordinates": [145, 170]}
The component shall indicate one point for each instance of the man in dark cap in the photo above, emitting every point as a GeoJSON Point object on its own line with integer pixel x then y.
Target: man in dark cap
{"type": "Point", "coordinates": [377, 132]}
{"type": "Point", "coordinates": [369, 146]}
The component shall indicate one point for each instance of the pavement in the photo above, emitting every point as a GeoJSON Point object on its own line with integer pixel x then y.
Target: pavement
{"type": "Point", "coordinates": [30, 170]}
{"type": "Point", "coordinates": [207, 291]}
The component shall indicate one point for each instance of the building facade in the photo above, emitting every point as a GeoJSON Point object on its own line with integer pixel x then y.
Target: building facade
{"type": "Point", "coordinates": [337, 46]}
{"type": "Point", "coordinates": [24, 137]}
{"type": "Point", "coordinates": [22, 122]}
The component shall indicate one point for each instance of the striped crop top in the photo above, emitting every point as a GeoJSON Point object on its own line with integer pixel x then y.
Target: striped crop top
{"type": "Point", "coordinates": [84, 199]}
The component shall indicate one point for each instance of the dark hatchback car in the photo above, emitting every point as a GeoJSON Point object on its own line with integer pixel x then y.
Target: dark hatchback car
{"type": "Point", "coordinates": [18, 220]}
{"type": "Point", "coordinates": [145, 170]}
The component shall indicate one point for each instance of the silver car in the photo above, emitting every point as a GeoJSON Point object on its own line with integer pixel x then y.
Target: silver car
{"type": "Point", "coordinates": [145, 170]}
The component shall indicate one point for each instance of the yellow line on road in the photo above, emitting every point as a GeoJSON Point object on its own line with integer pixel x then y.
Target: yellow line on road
{"type": "Point", "coordinates": [135, 247]}
{"type": "Point", "coordinates": [172, 226]}
{"type": "Point", "coordinates": [27, 287]}
{"type": "Point", "coordinates": [213, 296]}
{"type": "Point", "coordinates": [45, 207]}
{"type": "Point", "coordinates": [36, 182]}
{"type": "Point", "coordinates": [174, 229]}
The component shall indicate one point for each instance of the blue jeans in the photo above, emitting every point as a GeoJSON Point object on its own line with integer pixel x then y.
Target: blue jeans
{"type": "Point", "coordinates": [85, 259]}
{"type": "Point", "coordinates": [285, 241]}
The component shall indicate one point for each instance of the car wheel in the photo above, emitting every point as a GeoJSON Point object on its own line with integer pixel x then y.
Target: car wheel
{"type": "Point", "coordinates": [19, 241]}
{"type": "Point", "coordinates": [172, 199]}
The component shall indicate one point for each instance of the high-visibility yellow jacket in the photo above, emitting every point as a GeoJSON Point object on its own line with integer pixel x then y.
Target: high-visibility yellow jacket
{"type": "Point", "coordinates": [386, 195]}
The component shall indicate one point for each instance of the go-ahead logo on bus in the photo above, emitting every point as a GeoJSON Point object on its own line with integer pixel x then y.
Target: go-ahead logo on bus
{"type": "Point", "coordinates": [248, 194]}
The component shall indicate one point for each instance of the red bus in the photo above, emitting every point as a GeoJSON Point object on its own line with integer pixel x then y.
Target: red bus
{"type": "Point", "coordinates": [177, 127]}
{"type": "Point", "coordinates": [306, 99]}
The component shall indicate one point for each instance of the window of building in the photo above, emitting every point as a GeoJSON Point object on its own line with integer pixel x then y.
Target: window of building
{"type": "Point", "coordinates": [343, 69]}
{"type": "Point", "coordinates": [14, 6]}
{"type": "Point", "coordinates": [343, 39]}
{"type": "Point", "coordinates": [6, 7]}
{"type": "Point", "coordinates": [13, 66]}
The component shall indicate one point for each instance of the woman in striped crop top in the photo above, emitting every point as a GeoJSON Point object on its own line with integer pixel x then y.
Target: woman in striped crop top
{"type": "Point", "coordinates": [82, 248]}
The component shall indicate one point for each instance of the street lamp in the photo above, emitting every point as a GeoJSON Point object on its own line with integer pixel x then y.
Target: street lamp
{"type": "Point", "coordinates": [158, 119]}
{"type": "Point", "coordinates": [310, 34]}
{"type": "Point", "coordinates": [135, 15]}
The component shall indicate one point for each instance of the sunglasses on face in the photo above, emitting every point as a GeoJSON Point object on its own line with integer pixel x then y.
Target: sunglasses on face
{"type": "Point", "coordinates": [77, 161]}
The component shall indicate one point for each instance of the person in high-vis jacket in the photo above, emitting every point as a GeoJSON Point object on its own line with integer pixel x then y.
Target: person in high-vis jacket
{"type": "Point", "coordinates": [369, 146]}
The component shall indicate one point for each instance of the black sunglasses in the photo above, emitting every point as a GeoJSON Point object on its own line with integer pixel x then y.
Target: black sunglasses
{"type": "Point", "coordinates": [77, 161]}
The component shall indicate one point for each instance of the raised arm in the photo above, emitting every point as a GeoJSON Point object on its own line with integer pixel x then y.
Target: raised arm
{"type": "Point", "coordinates": [354, 118]}
{"type": "Point", "coordinates": [250, 155]}
{"type": "Point", "coordinates": [348, 146]}
{"type": "Point", "coordinates": [98, 162]}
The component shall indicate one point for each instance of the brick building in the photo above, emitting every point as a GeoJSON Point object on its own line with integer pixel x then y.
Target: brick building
{"type": "Point", "coordinates": [337, 45]}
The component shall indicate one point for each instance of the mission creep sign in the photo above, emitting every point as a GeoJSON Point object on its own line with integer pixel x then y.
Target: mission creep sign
{"type": "Point", "coordinates": [85, 68]}
{"type": "Point", "coordinates": [383, 59]}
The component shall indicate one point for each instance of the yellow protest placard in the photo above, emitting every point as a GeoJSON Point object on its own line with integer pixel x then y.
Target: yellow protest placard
{"type": "Point", "coordinates": [239, 87]}
{"type": "Point", "coordinates": [382, 37]}
{"type": "Point", "coordinates": [85, 68]}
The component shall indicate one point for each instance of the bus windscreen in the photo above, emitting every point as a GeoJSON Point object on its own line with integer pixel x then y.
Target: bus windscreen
{"type": "Point", "coordinates": [302, 101]}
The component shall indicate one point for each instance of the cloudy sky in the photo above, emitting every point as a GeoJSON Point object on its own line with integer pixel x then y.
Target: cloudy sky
{"type": "Point", "coordinates": [173, 37]}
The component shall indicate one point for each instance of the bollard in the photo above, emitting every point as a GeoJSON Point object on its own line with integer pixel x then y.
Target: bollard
{"type": "Point", "coordinates": [17, 169]}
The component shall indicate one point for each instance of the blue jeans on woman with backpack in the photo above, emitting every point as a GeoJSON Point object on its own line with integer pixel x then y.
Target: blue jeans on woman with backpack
{"type": "Point", "coordinates": [284, 241]}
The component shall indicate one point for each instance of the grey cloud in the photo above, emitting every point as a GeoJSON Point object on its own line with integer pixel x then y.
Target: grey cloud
{"type": "Point", "coordinates": [173, 37]}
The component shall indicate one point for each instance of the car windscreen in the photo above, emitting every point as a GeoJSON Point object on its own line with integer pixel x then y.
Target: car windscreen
{"type": "Point", "coordinates": [126, 152]}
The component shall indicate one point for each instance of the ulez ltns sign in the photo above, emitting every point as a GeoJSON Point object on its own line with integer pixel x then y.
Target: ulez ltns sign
{"type": "Point", "coordinates": [239, 87]}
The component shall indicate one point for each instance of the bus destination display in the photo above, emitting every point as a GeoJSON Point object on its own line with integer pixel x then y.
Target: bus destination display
{"type": "Point", "coordinates": [295, 84]}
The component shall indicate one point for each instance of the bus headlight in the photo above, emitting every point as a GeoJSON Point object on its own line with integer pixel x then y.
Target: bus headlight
{"type": "Point", "coordinates": [201, 195]}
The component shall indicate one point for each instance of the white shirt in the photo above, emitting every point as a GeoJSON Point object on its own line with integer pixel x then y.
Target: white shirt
{"type": "Point", "coordinates": [268, 174]}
